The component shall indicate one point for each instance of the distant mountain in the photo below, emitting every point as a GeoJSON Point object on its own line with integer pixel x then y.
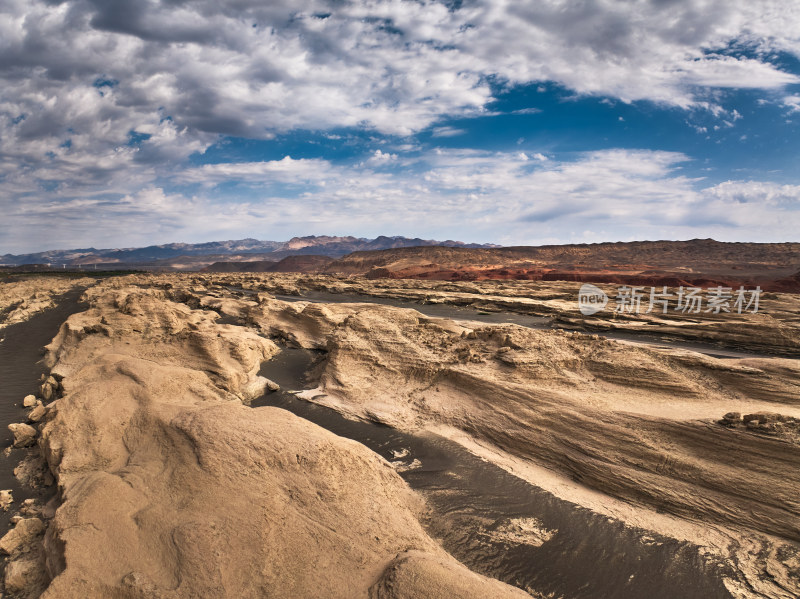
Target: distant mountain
{"type": "Point", "coordinates": [299, 263]}
{"type": "Point", "coordinates": [191, 256]}
{"type": "Point", "coordinates": [142, 255]}
{"type": "Point", "coordinates": [697, 262]}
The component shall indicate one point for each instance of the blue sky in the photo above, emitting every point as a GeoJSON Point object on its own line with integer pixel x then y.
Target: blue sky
{"type": "Point", "coordinates": [132, 123]}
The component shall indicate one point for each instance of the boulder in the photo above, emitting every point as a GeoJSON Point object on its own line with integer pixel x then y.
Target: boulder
{"type": "Point", "coordinates": [29, 401]}
{"type": "Point", "coordinates": [24, 434]}
{"type": "Point", "coordinates": [732, 417]}
{"type": "Point", "coordinates": [22, 574]}
{"type": "Point", "coordinates": [6, 499]}
{"type": "Point", "coordinates": [21, 535]}
{"type": "Point", "coordinates": [37, 413]}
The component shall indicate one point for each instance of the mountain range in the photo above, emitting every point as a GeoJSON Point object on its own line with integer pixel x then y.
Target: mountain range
{"type": "Point", "coordinates": [189, 256]}
{"type": "Point", "coordinates": [694, 263]}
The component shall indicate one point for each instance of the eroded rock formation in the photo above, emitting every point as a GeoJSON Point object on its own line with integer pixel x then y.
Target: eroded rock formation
{"type": "Point", "coordinates": [171, 487]}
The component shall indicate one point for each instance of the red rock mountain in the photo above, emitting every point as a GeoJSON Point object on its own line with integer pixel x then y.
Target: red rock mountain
{"type": "Point", "coordinates": [698, 262]}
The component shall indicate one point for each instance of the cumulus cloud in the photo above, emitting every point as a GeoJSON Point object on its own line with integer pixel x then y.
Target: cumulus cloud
{"type": "Point", "coordinates": [103, 99]}
{"type": "Point", "coordinates": [792, 103]}
{"type": "Point", "coordinates": [252, 69]}
{"type": "Point", "coordinates": [378, 159]}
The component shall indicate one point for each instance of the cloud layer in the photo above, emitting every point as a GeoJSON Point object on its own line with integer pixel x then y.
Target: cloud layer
{"type": "Point", "coordinates": [477, 195]}
{"type": "Point", "coordinates": [107, 99]}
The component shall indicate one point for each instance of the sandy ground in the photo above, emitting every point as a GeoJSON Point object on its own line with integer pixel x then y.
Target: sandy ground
{"type": "Point", "coordinates": [20, 299]}
{"type": "Point", "coordinates": [171, 486]}
{"type": "Point", "coordinates": [163, 469]}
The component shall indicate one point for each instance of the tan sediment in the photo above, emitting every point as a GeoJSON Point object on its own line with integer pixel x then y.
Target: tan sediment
{"type": "Point", "coordinates": [774, 328]}
{"type": "Point", "coordinates": [633, 425]}
{"type": "Point", "coordinates": [19, 300]}
{"type": "Point", "coordinates": [171, 487]}
{"type": "Point", "coordinates": [150, 436]}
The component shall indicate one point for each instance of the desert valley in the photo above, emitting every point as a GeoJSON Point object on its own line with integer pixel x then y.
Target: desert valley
{"type": "Point", "coordinates": [399, 299]}
{"type": "Point", "coordinates": [380, 432]}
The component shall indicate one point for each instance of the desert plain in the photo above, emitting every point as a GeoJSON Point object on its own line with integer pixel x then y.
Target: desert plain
{"type": "Point", "coordinates": [284, 435]}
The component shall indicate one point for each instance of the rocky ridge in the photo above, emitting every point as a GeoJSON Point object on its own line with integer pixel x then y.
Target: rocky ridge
{"type": "Point", "coordinates": [185, 491]}
{"type": "Point", "coordinates": [19, 300]}
{"type": "Point", "coordinates": [636, 423]}
{"type": "Point", "coordinates": [774, 329]}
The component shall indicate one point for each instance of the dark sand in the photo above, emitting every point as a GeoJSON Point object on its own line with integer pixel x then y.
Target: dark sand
{"type": "Point", "coordinates": [21, 351]}
{"type": "Point", "coordinates": [589, 556]}
{"type": "Point", "coordinates": [534, 322]}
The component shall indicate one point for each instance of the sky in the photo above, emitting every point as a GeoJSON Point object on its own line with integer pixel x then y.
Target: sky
{"type": "Point", "coordinates": [134, 122]}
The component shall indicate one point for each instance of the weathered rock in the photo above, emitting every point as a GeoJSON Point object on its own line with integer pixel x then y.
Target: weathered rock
{"type": "Point", "coordinates": [31, 470]}
{"type": "Point", "coordinates": [415, 575]}
{"type": "Point", "coordinates": [732, 418]}
{"type": "Point", "coordinates": [22, 574]}
{"type": "Point", "coordinates": [6, 499]}
{"type": "Point", "coordinates": [187, 493]}
{"type": "Point", "coordinates": [593, 409]}
{"type": "Point", "coordinates": [37, 413]}
{"type": "Point", "coordinates": [24, 434]}
{"type": "Point", "coordinates": [21, 535]}
{"type": "Point", "coordinates": [29, 401]}
{"type": "Point", "coordinates": [30, 508]}
{"type": "Point", "coordinates": [49, 389]}
{"type": "Point", "coordinates": [22, 299]}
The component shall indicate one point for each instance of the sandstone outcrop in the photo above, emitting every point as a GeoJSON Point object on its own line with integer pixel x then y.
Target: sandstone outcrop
{"type": "Point", "coordinates": [634, 422]}
{"type": "Point", "coordinates": [173, 488]}
{"type": "Point", "coordinates": [185, 491]}
{"type": "Point", "coordinates": [775, 328]}
{"type": "Point", "coordinates": [6, 499]}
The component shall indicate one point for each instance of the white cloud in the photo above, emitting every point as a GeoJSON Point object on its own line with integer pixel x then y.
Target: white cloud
{"type": "Point", "coordinates": [379, 158]}
{"type": "Point", "coordinates": [792, 103]}
{"type": "Point", "coordinates": [756, 193]}
{"type": "Point", "coordinates": [286, 170]}
{"type": "Point", "coordinates": [447, 132]}
{"type": "Point", "coordinates": [102, 99]}
{"type": "Point", "coordinates": [467, 194]}
{"type": "Point", "coordinates": [254, 69]}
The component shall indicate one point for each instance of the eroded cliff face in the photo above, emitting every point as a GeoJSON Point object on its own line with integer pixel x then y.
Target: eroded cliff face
{"type": "Point", "coordinates": [171, 487]}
